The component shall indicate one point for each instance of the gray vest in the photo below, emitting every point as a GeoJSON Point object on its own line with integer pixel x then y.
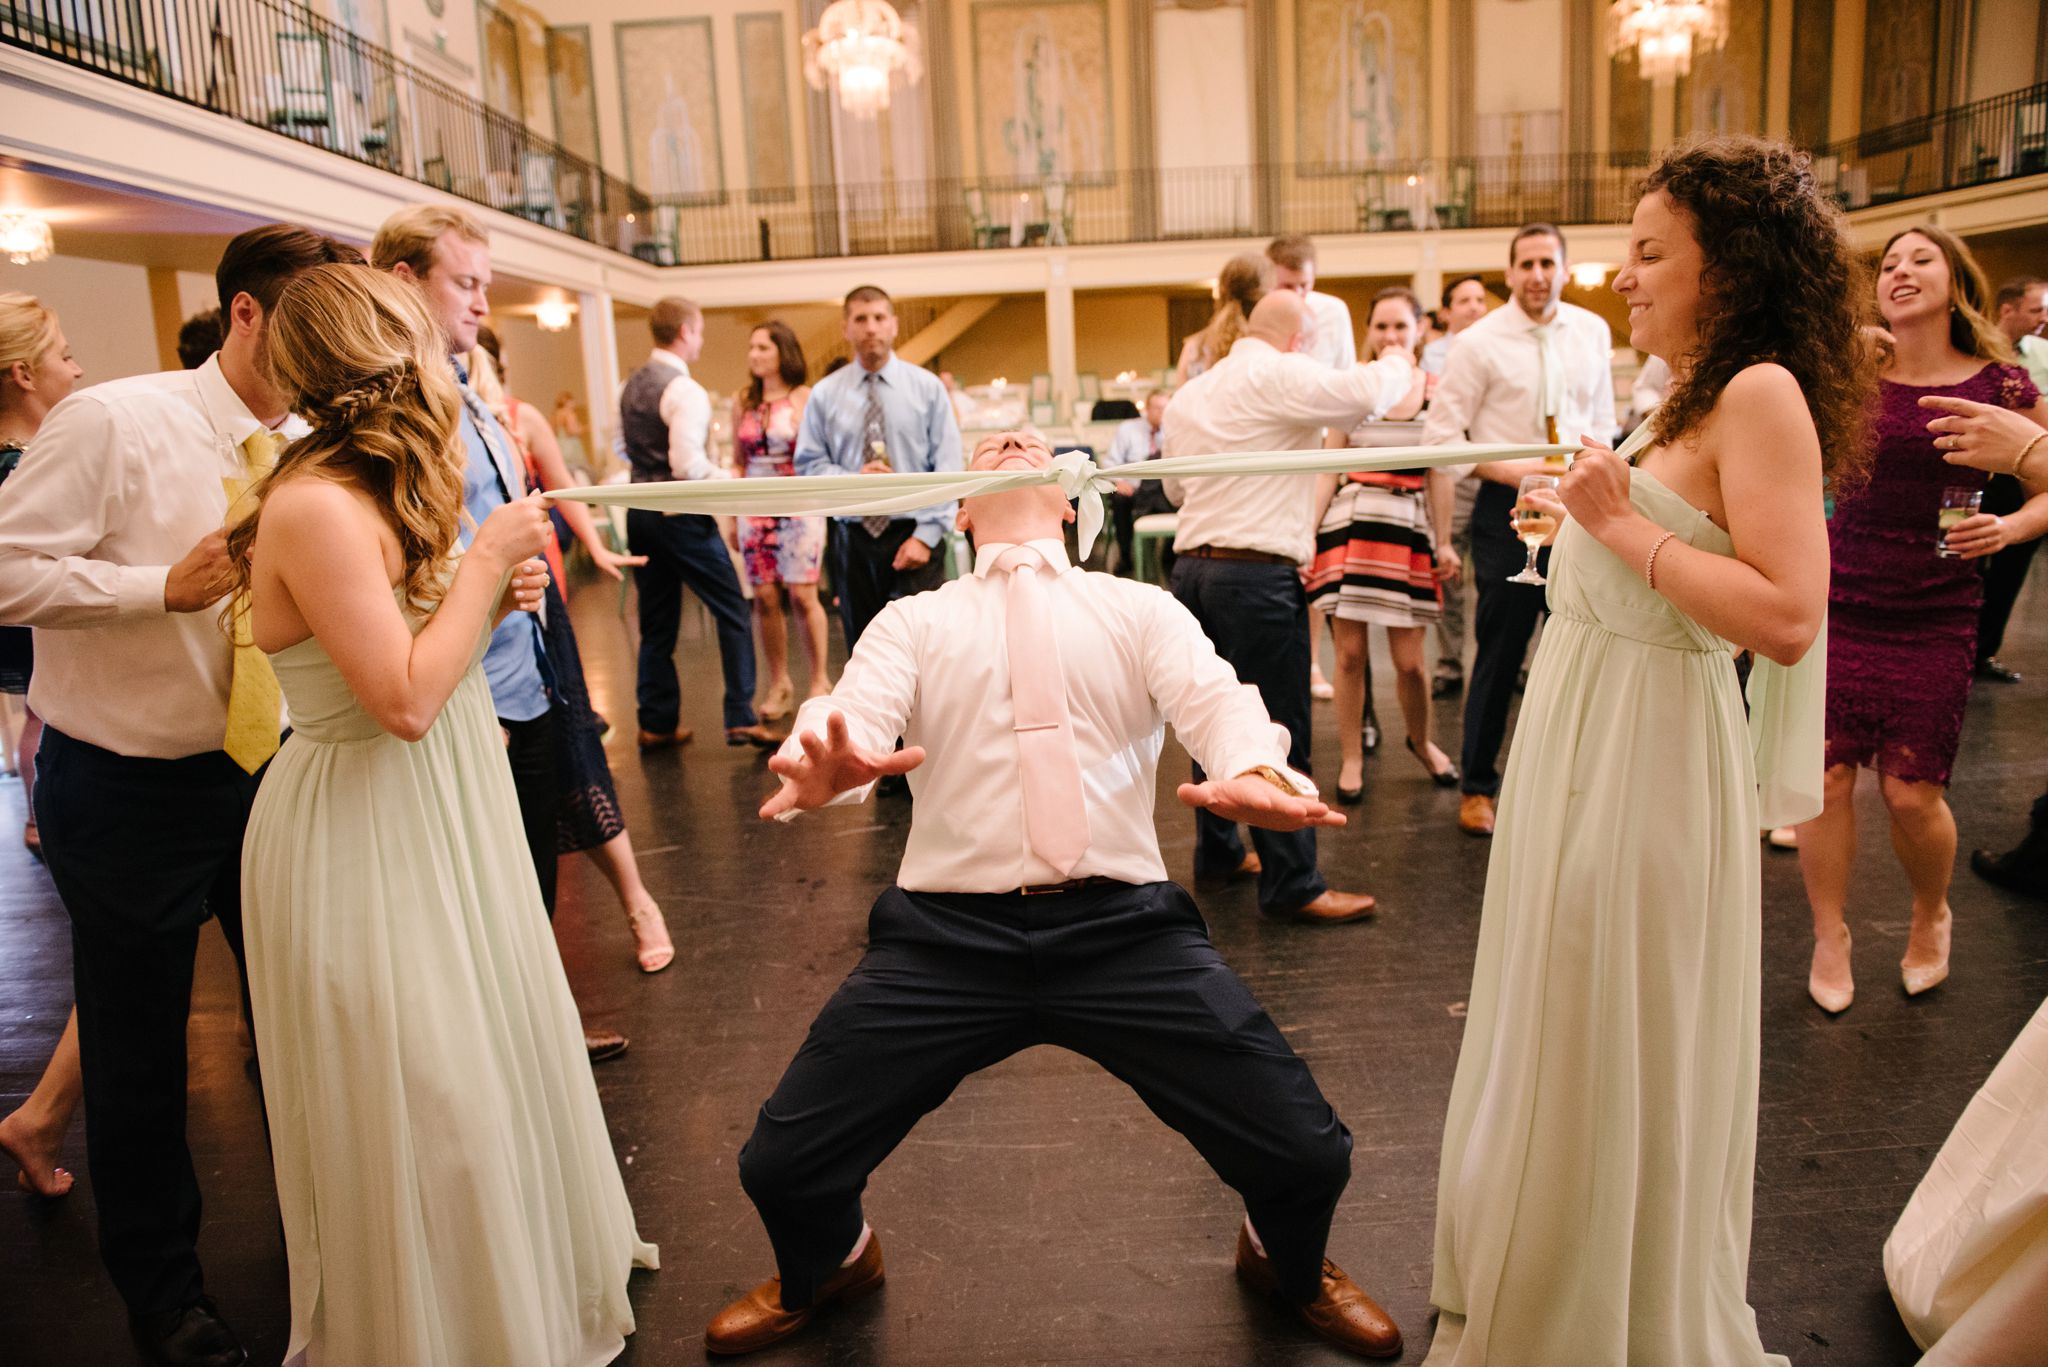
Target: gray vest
{"type": "Point", "coordinates": [640, 424]}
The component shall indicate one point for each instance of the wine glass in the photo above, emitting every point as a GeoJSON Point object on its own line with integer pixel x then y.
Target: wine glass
{"type": "Point", "coordinates": [1959, 503]}
{"type": "Point", "coordinates": [1534, 525]}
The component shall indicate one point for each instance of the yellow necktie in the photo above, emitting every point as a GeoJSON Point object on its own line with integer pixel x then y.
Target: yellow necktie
{"type": "Point", "coordinates": [253, 695]}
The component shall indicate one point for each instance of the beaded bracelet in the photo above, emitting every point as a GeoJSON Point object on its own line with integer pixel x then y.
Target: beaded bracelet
{"type": "Point", "coordinates": [1650, 564]}
{"type": "Point", "coordinates": [2025, 451]}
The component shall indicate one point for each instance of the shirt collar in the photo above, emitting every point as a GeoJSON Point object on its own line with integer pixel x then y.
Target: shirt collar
{"type": "Point", "coordinates": [224, 406]}
{"type": "Point", "coordinates": [661, 354]}
{"type": "Point", "coordinates": [887, 374]}
{"type": "Point", "coordinates": [1253, 344]}
{"type": "Point", "coordinates": [1528, 324]}
{"type": "Point", "coordinates": [1054, 551]}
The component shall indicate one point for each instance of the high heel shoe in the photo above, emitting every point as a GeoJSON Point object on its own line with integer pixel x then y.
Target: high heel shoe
{"type": "Point", "coordinates": [780, 698]}
{"type": "Point", "coordinates": [1919, 978]}
{"type": "Point", "coordinates": [1351, 797]}
{"type": "Point", "coordinates": [1446, 777]}
{"type": "Point", "coordinates": [1833, 1000]}
{"type": "Point", "coordinates": [650, 934]}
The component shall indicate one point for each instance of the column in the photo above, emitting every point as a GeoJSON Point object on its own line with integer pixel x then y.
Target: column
{"type": "Point", "coordinates": [598, 331]}
{"type": "Point", "coordinates": [1059, 335]}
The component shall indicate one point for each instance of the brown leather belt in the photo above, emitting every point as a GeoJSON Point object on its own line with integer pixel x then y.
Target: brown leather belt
{"type": "Point", "coordinates": [1234, 553]}
{"type": "Point", "coordinates": [1071, 885]}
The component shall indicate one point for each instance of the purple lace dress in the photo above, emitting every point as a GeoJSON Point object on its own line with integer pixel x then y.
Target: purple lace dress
{"type": "Point", "coordinates": [1902, 621]}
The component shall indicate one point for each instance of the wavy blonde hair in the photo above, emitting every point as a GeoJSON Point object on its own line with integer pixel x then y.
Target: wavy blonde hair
{"type": "Point", "coordinates": [27, 330]}
{"type": "Point", "coordinates": [1243, 281]}
{"type": "Point", "coordinates": [367, 367]}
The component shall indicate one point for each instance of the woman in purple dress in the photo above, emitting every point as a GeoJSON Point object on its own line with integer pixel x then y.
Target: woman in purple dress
{"type": "Point", "coordinates": [780, 553]}
{"type": "Point", "coordinates": [1903, 614]}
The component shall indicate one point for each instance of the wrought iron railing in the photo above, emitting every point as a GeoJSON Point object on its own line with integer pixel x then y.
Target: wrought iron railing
{"type": "Point", "coordinates": [278, 65]}
{"type": "Point", "coordinates": [1986, 140]}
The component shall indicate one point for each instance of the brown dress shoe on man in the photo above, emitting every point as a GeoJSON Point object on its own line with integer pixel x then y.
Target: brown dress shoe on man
{"type": "Point", "coordinates": [1475, 814]}
{"type": "Point", "coordinates": [760, 737]}
{"type": "Point", "coordinates": [1342, 1314]}
{"type": "Point", "coordinates": [757, 1319]}
{"type": "Point", "coordinates": [650, 741]}
{"type": "Point", "coordinates": [1332, 908]}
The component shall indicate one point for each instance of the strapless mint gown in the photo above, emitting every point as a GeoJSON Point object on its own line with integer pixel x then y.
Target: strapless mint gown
{"type": "Point", "coordinates": [1593, 1203]}
{"type": "Point", "coordinates": [447, 1183]}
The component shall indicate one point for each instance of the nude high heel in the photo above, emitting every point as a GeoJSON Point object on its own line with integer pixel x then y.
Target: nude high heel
{"type": "Point", "coordinates": [650, 934]}
{"type": "Point", "coordinates": [1833, 1000]}
{"type": "Point", "coordinates": [1919, 978]}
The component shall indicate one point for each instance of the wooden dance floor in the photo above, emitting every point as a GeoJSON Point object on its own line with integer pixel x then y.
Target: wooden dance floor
{"type": "Point", "coordinates": [1043, 1215]}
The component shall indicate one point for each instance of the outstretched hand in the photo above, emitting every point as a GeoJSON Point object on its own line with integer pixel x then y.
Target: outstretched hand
{"type": "Point", "coordinates": [830, 766]}
{"type": "Point", "coordinates": [1256, 802]}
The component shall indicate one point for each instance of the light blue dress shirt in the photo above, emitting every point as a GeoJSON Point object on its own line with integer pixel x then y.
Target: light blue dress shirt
{"type": "Point", "coordinates": [921, 434]}
{"type": "Point", "coordinates": [512, 662]}
{"type": "Point", "coordinates": [1133, 441]}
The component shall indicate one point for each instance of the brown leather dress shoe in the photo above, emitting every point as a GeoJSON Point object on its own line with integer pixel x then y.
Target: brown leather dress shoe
{"type": "Point", "coordinates": [1333, 908]}
{"type": "Point", "coordinates": [757, 1319]}
{"type": "Point", "coordinates": [760, 737]}
{"type": "Point", "coordinates": [650, 741]}
{"type": "Point", "coordinates": [1475, 814]}
{"type": "Point", "coordinates": [1342, 1314]}
{"type": "Point", "coordinates": [603, 1044]}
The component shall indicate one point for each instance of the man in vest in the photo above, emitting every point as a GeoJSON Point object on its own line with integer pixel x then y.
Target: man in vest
{"type": "Point", "coordinates": [664, 423]}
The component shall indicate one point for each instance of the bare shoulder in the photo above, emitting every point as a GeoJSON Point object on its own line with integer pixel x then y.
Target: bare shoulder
{"type": "Point", "coordinates": [800, 395]}
{"type": "Point", "coordinates": [1766, 382]}
{"type": "Point", "coordinates": [312, 509]}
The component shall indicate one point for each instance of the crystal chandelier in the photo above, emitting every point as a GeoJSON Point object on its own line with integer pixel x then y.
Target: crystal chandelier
{"type": "Point", "coordinates": [24, 238]}
{"type": "Point", "coordinates": [857, 46]}
{"type": "Point", "coordinates": [1665, 33]}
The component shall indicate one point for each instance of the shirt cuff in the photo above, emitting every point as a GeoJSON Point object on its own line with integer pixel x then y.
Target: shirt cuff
{"type": "Point", "coordinates": [1272, 754]}
{"type": "Point", "coordinates": [931, 533]}
{"type": "Point", "coordinates": [139, 589]}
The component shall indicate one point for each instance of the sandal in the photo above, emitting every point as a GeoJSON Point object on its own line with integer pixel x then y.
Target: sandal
{"type": "Point", "coordinates": [650, 933]}
{"type": "Point", "coordinates": [780, 698]}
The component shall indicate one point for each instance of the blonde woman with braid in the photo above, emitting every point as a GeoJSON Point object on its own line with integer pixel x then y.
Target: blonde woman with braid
{"type": "Point", "coordinates": [447, 1185]}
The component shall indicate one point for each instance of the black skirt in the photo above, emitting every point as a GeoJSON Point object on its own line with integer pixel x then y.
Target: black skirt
{"type": "Point", "coordinates": [588, 813]}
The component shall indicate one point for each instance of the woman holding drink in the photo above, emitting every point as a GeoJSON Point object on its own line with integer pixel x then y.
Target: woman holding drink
{"type": "Point", "coordinates": [1594, 1196]}
{"type": "Point", "coordinates": [1903, 603]}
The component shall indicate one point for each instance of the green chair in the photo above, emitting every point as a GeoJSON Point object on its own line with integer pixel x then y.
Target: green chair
{"type": "Point", "coordinates": [302, 93]}
{"type": "Point", "coordinates": [434, 171]}
{"type": "Point", "coordinates": [1455, 211]}
{"type": "Point", "coordinates": [1146, 535]}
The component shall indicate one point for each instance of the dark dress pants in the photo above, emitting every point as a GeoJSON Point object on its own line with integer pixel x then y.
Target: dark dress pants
{"type": "Point", "coordinates": [1123, 974]}
{"type": "Point", "coordinates": [1257, 618]}
{"type": "Point", "coordinates": [2005, 572]}
{"type": "Point", "coordinates": [1501, 627]}
{"type": "Point", "coordinates": [687, 550]}
{"type": "Point", "coordinates": [532, 752]}
{"type": "Point", "coordinates": [142, 851]}
{"type": "Point", "coordinates": [868, 578]}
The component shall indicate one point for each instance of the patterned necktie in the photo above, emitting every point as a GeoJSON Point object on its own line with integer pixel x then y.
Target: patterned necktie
{"type": "Point", "coordinates": [1055, 812]}
{"type": "Point", "coordinates": [253, 694]}
{"type": "Point", "coordinates": [874, 441]}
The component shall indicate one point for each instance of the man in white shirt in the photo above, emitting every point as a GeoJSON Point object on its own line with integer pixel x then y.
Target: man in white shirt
{"type": "Point", "coordinates": [664, 426]}
{"type": "Point", "coordinates": [1535, 370]}
{"type": "Point", "coordinates": [1010, 927]}
{"type": "Point", "coordinates": [1326, 334]}
{"type": "Point", "coordinates": [1136, 439]}
{"type": "Point", "coordinates": [1240, 546]}
{"type": "Point", "coordinates": [2022, 313]}
{"type": "Point", "coordinates": [1465, 302]}
{"type": "Point", "coordinates": [111, 548]}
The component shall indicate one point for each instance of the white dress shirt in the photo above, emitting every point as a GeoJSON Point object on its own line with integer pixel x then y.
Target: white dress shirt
{"type": "Point", "coordinates": [686, 408]}
{"type": "Point", "coordinates": [1326, 333]}
{"type": "Point", "coordinates": [934, 668]}
{"type": "Point", "coordinates": [1260, 399]}
{"type": "Point", "coordinates": [1492, 389]}
{"type": "Point", "coordinates": [120, 482]}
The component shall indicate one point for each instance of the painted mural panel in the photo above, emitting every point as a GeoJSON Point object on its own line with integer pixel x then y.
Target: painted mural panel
{"type": "Point", "coordinates": [572, 84]}
{"type": "Point", "coordinates": [1628, 111]}
{"type": "Point", "coordinates": [1724, 92]}
{"type": "Point", "coordinates": [764, 100]}
{"type": "Point", "coordinates": [1898, 62]}
{"type": "Point", "coordinates": [668, 93]}
{"type": "Point", "coordinates": [1361, 81]}
{"type": "Point", "coordinates": [1042, 102]}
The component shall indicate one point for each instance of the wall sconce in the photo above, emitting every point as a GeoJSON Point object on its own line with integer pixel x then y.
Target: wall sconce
{"type": "Point", "coordinates": [24, 238]}
{"type": "Point", "coordinates": [1589, 275]}
{"type": "Point", "coordinates": [553, 315]}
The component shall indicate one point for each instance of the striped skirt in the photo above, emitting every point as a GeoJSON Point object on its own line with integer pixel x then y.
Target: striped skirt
{"type": "Point", "coordinates": [1375, 558]}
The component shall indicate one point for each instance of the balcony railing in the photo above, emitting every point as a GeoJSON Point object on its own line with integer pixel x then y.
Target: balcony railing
{"type": "Point", "coordinates": [1987, 140]}
{"type": "Point", "coordinates": [277, 65]}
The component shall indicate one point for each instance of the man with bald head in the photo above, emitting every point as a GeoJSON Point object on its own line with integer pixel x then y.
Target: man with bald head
{"type": "Point", "coordinates": [1240, 549]}
{"type": "Point", "coordinates": [1032, 907]}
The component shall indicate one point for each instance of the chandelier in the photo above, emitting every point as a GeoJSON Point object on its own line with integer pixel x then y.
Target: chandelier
{"type": "Point", "coordinates": [1665, 33]}
{"type": "Point", "coordinates": [856, 47]}
{"type": "Point", "coordinates": [24, 238]}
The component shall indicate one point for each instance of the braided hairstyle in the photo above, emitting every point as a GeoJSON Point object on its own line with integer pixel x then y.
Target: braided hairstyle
{"type": "Point", "coordinates": [368, 369]}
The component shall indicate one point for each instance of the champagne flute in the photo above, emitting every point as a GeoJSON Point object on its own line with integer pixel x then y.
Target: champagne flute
{"type": "Point", "coordinates": [1534, 525]}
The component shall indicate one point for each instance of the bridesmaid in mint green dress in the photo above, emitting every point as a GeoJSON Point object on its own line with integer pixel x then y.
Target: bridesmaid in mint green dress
{"type": "Point", "coordinates": [1593, 1203]}
{"type": "Point", "coordinates": [444, 1173]}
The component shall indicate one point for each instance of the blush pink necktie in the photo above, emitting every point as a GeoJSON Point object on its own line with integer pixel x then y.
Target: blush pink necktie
{"type": "Point", "coordinates": [1055, 812]}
